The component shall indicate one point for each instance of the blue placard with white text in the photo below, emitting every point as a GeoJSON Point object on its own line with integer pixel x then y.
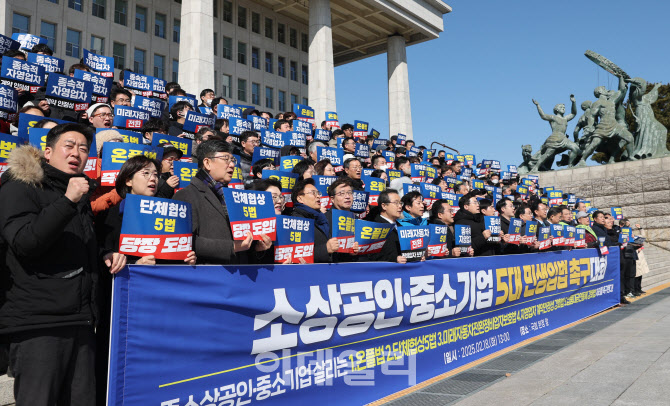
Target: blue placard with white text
{"type": "Point", "coordinates": [413, 242]}
{"type": "Point", "coordinates": [50, 63]}
{"type": "Point", "coordinates": [194, 121]}
{"type": "Point", "coordinates": [28, 41]}
{"type": "Point", "coordinates": [68, 92]}
{"type": "Point", "coordinates": [322, 135]}
{"type": "Point", "coordinates": [335, 155]}
{"type": "Point", "coordinates": [129, 117]}
{"type": "Point", "coordinates": [153, 106]}
{"type": "Point", "coordinates": [183, 144]}
{"type": "Point", "coordinates": [265, 152]}
{"type": "Point", "coordinates": [104, 65]}
{"type": "Point", "coordinates": [138, 83]}
{"type": "Point", "coordinates": [9, 102]}
{"type": "Point", "coordinates": [237, 125]}
{"type": "Point", "coordinates": [7, 43]}
{"type": "Point", "coordinates": [250, 211]}
{"type": "Point", "coordinates": [21, 75]}
{"type": "Point", "coordinates": [295, 240]}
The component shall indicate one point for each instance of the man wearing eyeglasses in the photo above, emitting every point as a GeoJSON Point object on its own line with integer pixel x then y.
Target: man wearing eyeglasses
{"type": "Point", "coordinates": [249, 141]}
{"type": "Point", "coordinates": [100, 115]}
{"type": "Point", "coordinates": [390, 207]}
{"type": "Point", "coordinates": [353, 169]}
{"type": "Point", "coordinates": [341, 193]}
{"type": "Point", "coordinates": [213, 238]}
{"type": "Point", "coordinates": [307, 204]}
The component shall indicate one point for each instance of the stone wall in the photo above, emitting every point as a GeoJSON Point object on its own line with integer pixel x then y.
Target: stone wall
{"type": "Point", "coordinates": [641, 188]}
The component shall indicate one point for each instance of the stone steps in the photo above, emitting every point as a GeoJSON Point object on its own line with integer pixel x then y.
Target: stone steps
{"type": "Point", "coordinates": [659, 267]}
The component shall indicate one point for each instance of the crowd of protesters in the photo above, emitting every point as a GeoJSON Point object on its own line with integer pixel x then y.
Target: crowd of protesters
{"type": "Point", "coordinates": [60, 230]}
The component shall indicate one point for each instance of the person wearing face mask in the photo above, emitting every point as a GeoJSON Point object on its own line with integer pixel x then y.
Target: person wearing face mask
{"type": "Point", "coordinates": [206, 97]}
{"type": "Point", "coordinates": [168, 181]}
{"type": "Point", "coordinates": [494, 179]}
{"type": "Point", "coordinates": [402, 164]}
{"type": "Point", "coordinates": [379, 162]}
{"type": "Point", "coordinates": [178, 113]}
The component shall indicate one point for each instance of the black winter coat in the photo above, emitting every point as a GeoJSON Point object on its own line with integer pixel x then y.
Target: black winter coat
{"type": "Point", "coordinates": [321, 254]}
{"type": "Point", "coordinates": [212, 237]}
{"type": "Point", "coordinates": [479, 244]}
{"type": "Point", "coordinates": [50, 260]}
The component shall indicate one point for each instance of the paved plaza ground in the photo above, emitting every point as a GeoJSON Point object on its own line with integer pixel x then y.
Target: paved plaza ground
{"type": "Point", "coordinates": [619, 357]}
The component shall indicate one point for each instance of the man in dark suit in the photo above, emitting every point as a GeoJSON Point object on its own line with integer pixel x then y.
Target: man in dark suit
{"type": "Point", "coordinates": [212, 236]}
{"type": "Point", "coordinates": [390, 208]}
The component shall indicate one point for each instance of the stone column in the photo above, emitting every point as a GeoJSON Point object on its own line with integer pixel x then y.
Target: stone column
{"type": "Point", "coordinates": [196, 62]}
{"type": "Point", "coordinates": [400, 113]}
{"type": "Point", "coordinates": [321, 68]}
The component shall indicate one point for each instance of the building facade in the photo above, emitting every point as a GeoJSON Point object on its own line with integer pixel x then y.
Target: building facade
{"type": "Point", "coordinates": [266, 53]}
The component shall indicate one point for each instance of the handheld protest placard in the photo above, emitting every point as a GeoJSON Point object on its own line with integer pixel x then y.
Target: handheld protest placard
{"type": "Point", "coordinates": [322, 183]}
{"type": "Point", "coordinates": [185, 171]}
{"type": "Point", "coordinates": [129, 117]}
{"type": "Point", "coordinates": [115, 154]}
{"type": "Point", "coordinates": [437, 245]}
{"type": "Point", "coordinates": [21, 75]}
{"type": "Point", "coordinates": [463, 236]}
{"type": "Point", "coordinates": [344, 229]}
{"type": "Point", "coordinates": [515, 231]}
{"type": "Point", "coordinates": [413, 242]}
{"type": "Point", "coordinates": [250, 211]}
{"type": "Point", "coordinates": [295, 240]}
{"type": "Point", "coordinates": [331, 120]}
{"type": "Point", "coordinates": [102, 65]}
{"type": "Point", "coordinates": [287, 181]}
{"type": "Point", "coordinates": [155, 226]}
{"type": "Point", "coordinates": [9, 102]}
{"type": "Point", "coordinates": [371, 236]}
{"type": "Point", "coordinates": [49, 63]}
{"type": "Point", "coordinates": [154, 107]}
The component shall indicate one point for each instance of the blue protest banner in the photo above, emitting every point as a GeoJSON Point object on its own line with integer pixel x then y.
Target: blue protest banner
{"type": "Point", "coordinates": [191, 100]}
{"type": "Point", "coordinates": [295, 239]}
{"type": "Point", "coordinates": [512, 169]}
{"type": "Point", "coordinates": [463, 236]}
{"type": "Point", "coordinates": [226, 111]}
{"type": "Point", "coordinates": [410, 187]}
{"type": "Point", "coordinates": [452, 200]}
{"type": "Point", "coordinates": [431, 173]}
{"type": "Point", "coordinates": [237, 126]}
{"type": "Point", "coordinates": [304, 113]}
{"type": "Point", "coordinates": [492, 223]}
{"type": "Point", "coordinates": [263, 153]}
{"type": "Point", "coordinates": [555, 197]}
{"type": "Point", "coordinates": [335, 155]}
{"type": "Point", "coordinates": [103, 65]}
{"type": "Point", "coordinates": [195, 121]}
{"type": "Point", "coordinates": [21, 75]}
{"type": "Point", "coordinates": [531, 232]}
{"type": "Point", "coordinates": [154, 107]}
{"type": "Point", "coordinates": [302, 127]}
{"type": "Point", "coordinates": [480, 308]}
{"type": "Point", "coordinates": [27, 121]}
{"type": "Point", "coordinates": [129, 136]}
{"type": "Point", "coordinates": [182, 144]}
{"type": "Point", "coordinates": [374, 186]}
{"type": "Point", "coordinates": [286, 163]}
{"type": "Point", "coordinates": [377, 142]}
{"type": "Point", "coordinates": [580, 238]}
{"type": "Point", "coordinates": [360, 203]}
{"type": "Point", "coordinates": [129, 117]}
{"type": "Point", "coordinates": [277, 139]}
{"type": "Point", "coordinates": [522, 190]}
{"type": "Point", "coordinates": [250, 211]}
{"type": "Point", "coordinates": [371, 236]}
{"type": "Point", "coordinates": [28, 41]}
{"type": "Point", "coordinates": [9, 102]}
{"type": "Point", "coordinates": [155, 226]}
{"type": "Point", "coordinates": [413, 242]}
{"type": "Point", "coordinates": [101, 86]}
{"type": "Point", "coordinates": [569, 235]}
{"type": "Point", "coordinates": [430, 193]}
{"type": "Point", "coordinates": [113, 158]}
{"type": "Point", "coordinates": [49, 63]}
{"type": "Point", "coordinates": [258, 123]}
{"type": "Point", "coordinates": [38, 137]}
{"type": "Point", "coordinates": [138, 83]}
{"type": "Point", "coordinates": [393, 174]}
{"type": "Point", "coordinates": [362, 150]}
{"type": "Point", "coordinates": [7, 43]}
{"type": "Point", "coordinates": [466, 172]}
{"type": "Point", "coordinates": [418, 172]}
{"type": "Point", "coordinates": [557, 238]}
{"type": "Point", "coordinates": [185, 171]}
{"type": "Point", "coordinates": [469, 160]}
{"type": "Point", "coordinates": [68, 92]}
{"type": "Point", "coordinates": [331, 120]}
{"type": "Point", "coordinates": [572, 200]}
{"type": "Point", "coordinates": [343, 228]}
{"type": "Point", "coordinates": [374, 133]}
{"type": "Point", "coordinates": [437, 244]}
{"type": "Point", "coordinates": [401, 138]}
{"type": "Point", "coordinates": [449, 157]}
{"type": "Point", "coordinates": [390, 158]}
{"type": "Point", "coordinates": [514, 231]}
{"type": "Point", "coordinates": [158, 88]}
{"type": "Point", "coordinates": [617, 213]}
{"type": "Point", "coordinates": [8, 143]}
{"type": "Point", "coordinates": [205, 110]}
{"type": "Point", "coordinates": [360, 129]}
{"type": "Point", "coordinates": [412, 151]}
{"type": "Point", "coordinates": [322, 135]}
{"type": "Point", "coordinates": [287, 180]}
{"type": "Point", "coordinates": [237, 180]}
{"type": "Point", "coordinates": [322, 183]}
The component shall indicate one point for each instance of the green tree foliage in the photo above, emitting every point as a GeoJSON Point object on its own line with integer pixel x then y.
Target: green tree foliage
{"type": "Point", "coordinates": [661, 110]}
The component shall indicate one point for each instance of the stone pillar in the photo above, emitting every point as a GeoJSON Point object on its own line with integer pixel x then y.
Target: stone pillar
{"type": "Point", "coordinates": [321, 68]}
{"type": "Point", "coordinates": [400, 113]}
{"type": "Point", "coordinates": [196, 63]}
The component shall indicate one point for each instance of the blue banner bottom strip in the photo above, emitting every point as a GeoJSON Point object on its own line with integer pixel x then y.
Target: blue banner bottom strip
{"type": "Point", "coordinates": [335, 333]}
